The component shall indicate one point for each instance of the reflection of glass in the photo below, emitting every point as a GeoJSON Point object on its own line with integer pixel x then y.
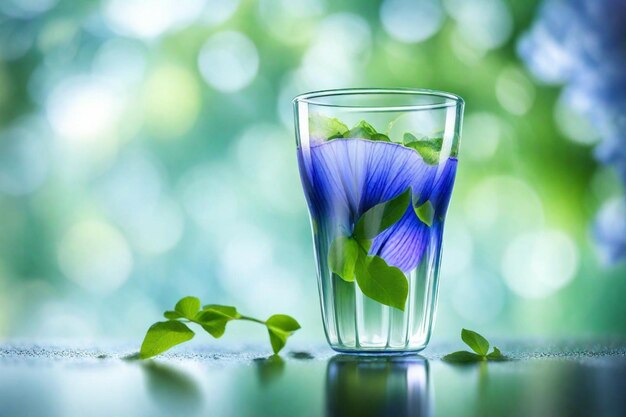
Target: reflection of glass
{"type": "Point", "coordinates": [371, 386]}
{"type": "Point", "coordinates": [378, 167]}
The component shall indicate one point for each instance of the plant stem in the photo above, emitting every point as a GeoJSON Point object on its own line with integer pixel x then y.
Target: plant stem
{"type": "Point", "coordinates": [252, 319]}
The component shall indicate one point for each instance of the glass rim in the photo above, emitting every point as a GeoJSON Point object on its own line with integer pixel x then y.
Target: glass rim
{"type": "Point", "coordinates": [451, 100]}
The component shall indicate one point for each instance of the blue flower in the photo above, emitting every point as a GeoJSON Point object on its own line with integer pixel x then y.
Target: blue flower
{"type": "Point", "coordinates": [610, 230]}
{"type": "Point", "coordinates": [345, 178]}
{"type": "Point", "coordinates": [581, 44]}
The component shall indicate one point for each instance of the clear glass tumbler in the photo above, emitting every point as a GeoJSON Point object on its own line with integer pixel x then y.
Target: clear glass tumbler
{"type": "Point", "coordinates": [377, 168]}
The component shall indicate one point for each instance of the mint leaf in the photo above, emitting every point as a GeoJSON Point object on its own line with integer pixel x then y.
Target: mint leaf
{"type": "Point", "coordinates": [463, 356]}
{"type": "Point", "coordinates": [377, 280]}
{"type": "Point", "coordinates": [280, 327]}
{"type": "Point", "coordinates": [496, 355]}
{"type": "Point", "coordinates": [429, 149]}
{"type": "Point", "coordinates": [362, 130]}
{"type": "Point", "coordinates": [480, 345]}
{"type": "Point", "coordinates": [213, 318]}
{"type": "Point", "coordinates": [381, 216]}
{"type": "Point", "coordinates": [162, 336]}
{"type": "Point", "coordinates": [426, 213]}
{"type": "Point", "coordinates": [172, 315]}
{"type": "Point", "coordinates": [410, 138]}
{"type": "Point", "coordinates": [342, 257]}
{"type": "Point", "coordinates": [188, 307]}
{"type": "Point", "coordinates": [283, 323]}
{"type": "Point", "coordinates": [380, 137]}
{"type": "Point", "coordinates": [215, 328]}
{"type": "Point", "coordinates": [225, 311]}
{"type": "Point", "coordinates": [324, 127]}
{"type": "Point", "coordinates": [475, 341]}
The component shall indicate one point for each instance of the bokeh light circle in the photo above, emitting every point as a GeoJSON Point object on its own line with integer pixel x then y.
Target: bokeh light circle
{"type": "Point", "coordinates": [537, 264]}
{"type": "Point", "coordinates": [171, 101]}
{"type": "Point", "coordinates": [610, 229]}
{"type": "Point", "coordinates": [484, 24]}
{"type": "Point", "coordinates": [83, 109]}
{"type": "Point", "coordinates": [228, 61]}
{"type": "Point", "coordinates": [572, 122]}
{"type": "Point", "coordinates": [24, 160]}
{"type": "Point", "coordinates": [411, 21]}
{"type": "Point", "coordinates": [514, 91]}
{"type": "Point", "coordinates": [338, 53]}
{"type": "Point", "coordinates": [150, 18]}
{"type": "Point", "coordinates": [121, 61]}
{"type": "Point", "coordinates": [96, 256]}
{"type": "Point", "coordinates": [218, 11]}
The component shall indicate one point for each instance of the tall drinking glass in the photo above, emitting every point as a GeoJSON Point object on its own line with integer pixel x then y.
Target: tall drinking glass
{"type": "Point", "coordinates": [377, 168]}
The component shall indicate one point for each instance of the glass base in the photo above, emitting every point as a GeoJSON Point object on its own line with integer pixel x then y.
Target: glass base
{"type": "Point", "coordinates": [378, 352]}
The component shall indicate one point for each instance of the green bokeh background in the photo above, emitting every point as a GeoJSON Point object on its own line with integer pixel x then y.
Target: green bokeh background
{"type": "Point", "coordinates": [147, 153]}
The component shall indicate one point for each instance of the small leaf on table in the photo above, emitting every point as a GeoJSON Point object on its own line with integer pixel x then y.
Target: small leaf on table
{"type": "Point", "coordinates": [463, 356]}
{"type": "Point", "coordinates": [162, 336]}
{"type": "Point", "coordinates": [280, 327]}
{"type": "Point", "coordinates": [475, 341]}
{"type": "Point", "coordinates": [496, 355]}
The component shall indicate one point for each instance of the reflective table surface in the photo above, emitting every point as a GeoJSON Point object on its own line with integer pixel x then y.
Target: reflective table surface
{"type": "Point", "coordinates": [541, 379]}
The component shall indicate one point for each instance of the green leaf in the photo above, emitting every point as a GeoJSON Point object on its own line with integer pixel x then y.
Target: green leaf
{"type": "Point", "coordinates": [213, 318]}
{"type": "Point", "coordinates": [410, 138]}
{"type": "Point", "coordinates": [283, 322]}
{"type": "Point", "coordinates": [226, 311]}
{"type": "Point", "coordinates": [380, 137]}
{"type": "Point", "coordinates": [172, 315]}
{"type": "Point", "coordinates": [280, 327]}
{"type": "Point", "coordinates": [362, 130]}
{"type": "Point", "coordinates": [342, 257]}
{"type": "Point", "coordinates": [377, 280]}
{"type": "Point", "coordinates": [162, 336]}
{"type": "Point", "coordinates": [475, 341]}
{"type": "Point", "coordinates": [426, 213]}
{"type": "Point", "coordinates": [188, 307]}
{"type": "Point", "coordinates": [496, 355]}
{"type": "Point", "coordinates": [325, 127]}
{"type": "Point", "coordinates": [375, 220]}
{"type": "Point", "coordinates": [429, 149]}
{"type": "Point", "coordinates": [215, 328]}
{"type": "Point", "coordinates": [463, 356]}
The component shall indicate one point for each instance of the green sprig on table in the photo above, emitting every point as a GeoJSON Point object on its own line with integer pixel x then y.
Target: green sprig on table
{"type": "Point", "coordinates": [479, 345]}
{"type": "Point", "coordinates": [164, 335]}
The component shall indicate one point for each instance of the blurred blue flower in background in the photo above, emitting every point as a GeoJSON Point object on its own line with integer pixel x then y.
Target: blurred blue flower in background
{"type": "Point", "coordinates": [580, 44]}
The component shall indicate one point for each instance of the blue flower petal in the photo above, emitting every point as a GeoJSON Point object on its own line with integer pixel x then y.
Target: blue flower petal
{"type": "Point", "coordinates": [346, 177]}
{"type": "Point", "coordinates": [403, 244]}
